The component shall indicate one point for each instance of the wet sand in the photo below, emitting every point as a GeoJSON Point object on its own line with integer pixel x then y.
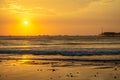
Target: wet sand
{"type": "Point", "coordinates": [50, 67]}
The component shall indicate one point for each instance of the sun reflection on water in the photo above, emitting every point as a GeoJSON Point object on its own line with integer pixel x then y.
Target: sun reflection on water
{"type": "Point", "coordinates": [21, 60]}
{"type": "Point", "coordinates": [25, 58]}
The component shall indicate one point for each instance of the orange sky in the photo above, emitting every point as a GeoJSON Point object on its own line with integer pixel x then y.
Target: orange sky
{"type": "Point", "coordinates": [59, 17]}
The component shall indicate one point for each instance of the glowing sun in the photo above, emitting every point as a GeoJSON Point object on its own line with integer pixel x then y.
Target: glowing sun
{"type": "Point", "coordinates": [26, 22]}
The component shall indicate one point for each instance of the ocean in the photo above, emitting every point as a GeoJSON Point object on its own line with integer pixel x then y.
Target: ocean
{"type": "Point", "coordinates": [60, 45]}
{"type": "Point", "coordinates": [59, 58]}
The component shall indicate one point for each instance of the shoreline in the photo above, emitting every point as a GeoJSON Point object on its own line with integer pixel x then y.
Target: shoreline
{"type": "Point", "coordinates": [85, 58]}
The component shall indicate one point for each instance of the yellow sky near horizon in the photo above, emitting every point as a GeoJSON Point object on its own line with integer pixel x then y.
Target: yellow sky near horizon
{"type": "Point", "coordinates": [59, 17]}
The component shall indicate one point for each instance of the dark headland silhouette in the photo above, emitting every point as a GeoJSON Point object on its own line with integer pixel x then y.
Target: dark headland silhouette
{"type": "Point", "coordinates": [111, 34]}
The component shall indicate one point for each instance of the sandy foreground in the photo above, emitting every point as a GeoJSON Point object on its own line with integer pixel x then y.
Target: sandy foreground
{"type": "Point", "coordinates": [50, 67]}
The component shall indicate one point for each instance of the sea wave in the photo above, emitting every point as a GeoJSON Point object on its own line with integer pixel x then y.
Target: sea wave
{"type": "Point", "coordinates": [68, 52]}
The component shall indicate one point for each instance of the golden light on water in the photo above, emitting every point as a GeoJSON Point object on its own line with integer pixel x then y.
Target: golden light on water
{"type": "Point", "coordinates": [25, 58]}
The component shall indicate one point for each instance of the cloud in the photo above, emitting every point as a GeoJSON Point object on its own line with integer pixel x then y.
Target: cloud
{"type": "Point", "coordinates": [42, 11]}
{"type": "Point", "coordinates": [47, 7]}
{"type": "Point", "coordinates": [61, 6]}
{"type": "Point", "coordinates": [2, 3]}
{"type": "Point", "coordinates": [16, 7]}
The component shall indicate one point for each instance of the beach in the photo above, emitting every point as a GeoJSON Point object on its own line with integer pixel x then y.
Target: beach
{"type": "Point", "coordinates": [45, 67]}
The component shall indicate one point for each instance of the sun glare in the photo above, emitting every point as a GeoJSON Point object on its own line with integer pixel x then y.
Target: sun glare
{"type": "Point", "coordinates": [26, 22]}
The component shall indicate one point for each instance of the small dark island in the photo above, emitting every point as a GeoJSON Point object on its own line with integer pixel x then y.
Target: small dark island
{"type": "Point", "coordinates": [111, 34]}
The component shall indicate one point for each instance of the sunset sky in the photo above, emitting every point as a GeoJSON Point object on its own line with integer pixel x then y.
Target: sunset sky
{"type": "Point", "coordinates": [59, 17]}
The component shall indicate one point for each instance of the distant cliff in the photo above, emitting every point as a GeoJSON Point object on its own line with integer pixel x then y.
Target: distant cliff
{"type": "Point", "coordinates": [110, 34]}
